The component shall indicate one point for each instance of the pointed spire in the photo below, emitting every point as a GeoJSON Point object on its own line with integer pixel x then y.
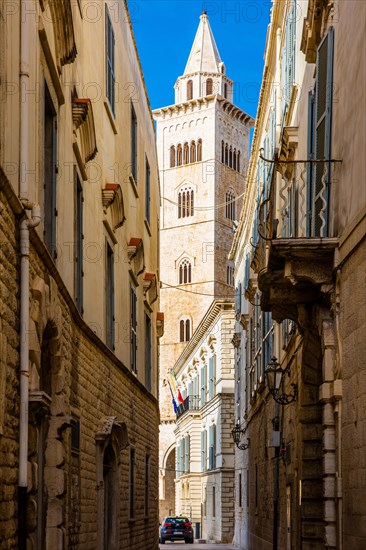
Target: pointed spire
{"type": "Point", "coordinates": [204, 56]}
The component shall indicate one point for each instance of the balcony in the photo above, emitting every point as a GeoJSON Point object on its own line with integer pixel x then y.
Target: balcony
{"type": "Point", "coordinates": [191, 403]}
{"type": "Point", "coordinates": [295, 250]}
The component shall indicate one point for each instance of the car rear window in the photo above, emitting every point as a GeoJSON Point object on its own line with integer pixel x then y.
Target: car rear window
{"type": "Point", "coordinates": [177, 521]}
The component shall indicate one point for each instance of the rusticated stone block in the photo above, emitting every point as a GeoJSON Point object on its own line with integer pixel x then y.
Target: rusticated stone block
{"type": "Point", "coordinates": [54, 512]}
{"type": "Point", "coordinates": [54, 538]}
{"type": "Point", "coordinates": [55, 481]}
{"type": "Point", "coordinates": [55, 453]}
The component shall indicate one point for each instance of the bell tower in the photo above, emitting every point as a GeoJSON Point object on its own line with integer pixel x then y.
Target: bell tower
{"type": "Point", "coordinates": [203, 148]}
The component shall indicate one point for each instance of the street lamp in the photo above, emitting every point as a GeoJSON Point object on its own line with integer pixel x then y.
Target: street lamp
{"type": "Point", "coordinates": [236, 434]}
{"type": "Point", "coordinates": [275, 376]}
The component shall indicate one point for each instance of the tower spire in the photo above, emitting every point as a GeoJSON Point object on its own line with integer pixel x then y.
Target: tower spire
{"type": "Point", "coordinates": [204, 56]}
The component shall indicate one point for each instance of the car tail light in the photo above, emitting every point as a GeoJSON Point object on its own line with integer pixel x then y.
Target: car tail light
{"type": "Point", "coordinates": [188, 524]}
{"type": "Point", "coordinates": [168, 524]}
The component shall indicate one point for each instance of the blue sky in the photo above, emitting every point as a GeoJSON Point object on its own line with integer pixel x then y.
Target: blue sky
{"type": "Point", "coordinates": [165, 31]}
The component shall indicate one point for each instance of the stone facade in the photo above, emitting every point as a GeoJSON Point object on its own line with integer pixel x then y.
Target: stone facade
{"type": "Point", "coordinates": [79, 340]}
{"type": "Point", "coordinates": [193, 137]}
{"type": "Point", "coordinates": [295, 286]}
{"type": "Point", "coordinates": [204, 446]}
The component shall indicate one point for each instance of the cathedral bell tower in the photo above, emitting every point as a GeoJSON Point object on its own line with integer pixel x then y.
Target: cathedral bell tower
{"type": "Point", "coordinates": [203, 146]}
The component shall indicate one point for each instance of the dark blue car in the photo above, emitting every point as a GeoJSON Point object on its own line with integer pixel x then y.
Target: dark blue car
{"type": "Point", "coordinates": [176, 528]}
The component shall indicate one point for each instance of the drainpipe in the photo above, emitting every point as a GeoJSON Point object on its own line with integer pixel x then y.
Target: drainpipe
{"type": "Point", "coordinates": [26, 223]}
{"type": "Point", "coordinates": [24, 369]}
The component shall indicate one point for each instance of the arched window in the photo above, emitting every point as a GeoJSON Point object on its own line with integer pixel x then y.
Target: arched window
{"type": "Point", "coordinates": [179, 155]}
{"type": "Point", "coordinates": [185, 202]}
{"type": "Point", "coordinates": [185, 153]}
{"type": "Point", "coordinates": [226, 154]}
{"type": "Point", "coordinates": [184, 329]}
{"type": "Point", "coordinates": [179, 205]}
{"type": "Point", "coordinates": [234, 159]}
{"type": "Point", "coordinates": [225, 90]}
{"type": "Point", "coordinates": [189, 89]}
{"type": "Point", "coordinates": [231, 157]}
{"type": "Point", "coordinates": [193, 152]}
{"type": "Point", "coordinates": [172, 156]}
{"type": "Point", "coordinates": [230, 205]}
{"type": "Point", "coordinates": [222, 152]}
{"type": "Point", "coordinates": [238, 162]}
{"type": "Point", "coordinates": [209, 86]}
{"type": "Point", "coordinates": [199, 150]}
{"type": "Point", "coordinates": [185, 272]}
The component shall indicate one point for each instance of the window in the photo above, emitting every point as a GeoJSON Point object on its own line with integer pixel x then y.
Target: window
{"type": "Point", "coordinates": [209, 86]}
{"type": "Point", "coordinates": [185, 202]}
{"type": "Point", "coordinates": [319, 140]}
{"type": "Point", "coordinates": [189, 89]}
{"type": "Point", "coordinates": [213, 501]}
{"type": "Point", "coordinates": [225, 90]}
{"type": "Point", "coordinates": [230, 205]}
{"type": "Point", "coordinates": [203, 451]}
{"type": "Point", "coordinates": [179, 155]}
{"type": "Point", "coordinates": [132, 483]}
{"type": "Point", "coordinates": [212, 447]}
{"type": "Point", "coordinates": [199, 150]}
{"type": "Point", "coordinates": [49, 173]}
{"type": "Point", "coordinates": [186, 454]}
{"type": "Point", "coordinates": [133, 313]}
{"type": "Point", "coordinates": [186, 153]}
{"type": "Point", "coordinates": [226, 154]}
{"type": "Point", "coordinates": [231, 157]}
{"type": "Point", "coordinates": [79, 274]}
{"type": "Point", "coordinates": [109, 296]}
{"type": "Point", "coordinates": [203, 380]}
{"type": "Point", "coordinates": [230, 275]}
{"type": "Point", "coordinates": [133, 143]}
{"type": "Point", "coordinates": [147, 190]}
{"type": "Point", "coordinates": [147, 352]}
{"type": "Point", "coordinates": [238, 162]}
{"type": "Point", "coordinates": [193, 152]}
{"type": "Point", "coordinates": [147, 482]}
{"type": "Point", "coordinates": [234, 159]}
{"type": "Point", "coordinates": [184, 330]}
{"type": "Point", "coordinates": [172, 156]}
{"type": "Point", "coordinates": [211, 376]}
{"type": "Point", "coordinates": [288, 57]}
{"type": "Point", "coordinates": [185, 272]}
{"type": "Point", "coordinates": [109, 48]}
{"type": "Point", "coordinates": [222, 152]}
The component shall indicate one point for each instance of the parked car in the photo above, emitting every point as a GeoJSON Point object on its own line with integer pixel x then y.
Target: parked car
{"type": "Point", "coordinates": [176, 528]}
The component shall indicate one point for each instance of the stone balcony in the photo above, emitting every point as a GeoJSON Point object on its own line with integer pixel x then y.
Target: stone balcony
{"type": "Point", "coordinates": [191, 403]}
{"type": "Point", "coordinates": [295, 253]}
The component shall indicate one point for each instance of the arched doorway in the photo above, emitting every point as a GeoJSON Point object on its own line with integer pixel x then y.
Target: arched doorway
{"type": "Point", "coordinates": [167, 493]}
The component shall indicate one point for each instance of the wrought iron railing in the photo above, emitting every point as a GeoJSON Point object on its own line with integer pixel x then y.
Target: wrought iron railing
{"type": "Point", "coordinates": [192, 402]}
{"type": "Point", "coordinates": [297, 205]}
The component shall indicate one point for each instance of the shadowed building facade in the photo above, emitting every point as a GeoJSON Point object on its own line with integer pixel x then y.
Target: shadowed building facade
{"type": "Point", "coordinates": [79, 323]}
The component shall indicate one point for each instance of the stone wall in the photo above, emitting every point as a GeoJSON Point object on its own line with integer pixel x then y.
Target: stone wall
{"type": "Point", "coordinates": [353, 428]}
{"type": "Point", "coordinates": [86, 383]}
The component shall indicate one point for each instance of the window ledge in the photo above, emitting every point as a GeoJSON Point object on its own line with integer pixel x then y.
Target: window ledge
{"type": "Point", "coordinates": [147, 225]}
{"type": "Point", "coordinates": [133, 185]}
{"type": "Point", "coordinates": [110, 116]}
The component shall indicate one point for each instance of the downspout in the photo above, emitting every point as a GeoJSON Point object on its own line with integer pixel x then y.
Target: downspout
{"type": "Point", "coordinates": [26, 223]}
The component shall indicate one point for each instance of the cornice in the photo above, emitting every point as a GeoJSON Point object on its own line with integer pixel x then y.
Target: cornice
{"type": "Point", "coordinates": [212, 313]}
